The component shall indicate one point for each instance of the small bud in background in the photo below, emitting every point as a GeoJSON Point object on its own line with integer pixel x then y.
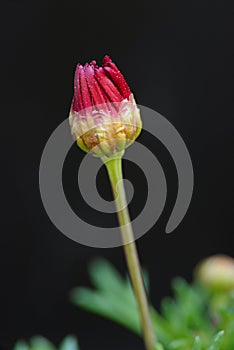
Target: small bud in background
{"type": "Point", "coordinates": [216, 273]}
{"type": "Point", "coordinates": [104, 117]}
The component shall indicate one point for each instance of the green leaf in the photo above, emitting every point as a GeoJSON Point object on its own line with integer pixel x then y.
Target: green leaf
{"type": "Point", "coordinates": [20, 345]}
{"type": "Point", "coordinates": [179, 344]}
{"type": "Point", "coordinates": [69, 343]}
{"type": "Point", "coordinates": [105, 277]}
{"type": "Point", "coordinates": [109, 306]}
{"type": "Point", "coordinates": [189, 312]}
{"type": "Point", "coordinates": [146, 279]}
{"type": "Point", "coordinates": [113, 297]}
{"type": "Point", "coordinates": [190, 302]}
{"type": "Point", "coordinates": [164, 331]}
{"type": "Point", "coordinates": [216, 341]}
{"type": "Point", "coordinates": [40, 343]}
{"type": "Point", "coordinates": [158, 346]}
{"type": "Point", "coordinates": [197, 344]}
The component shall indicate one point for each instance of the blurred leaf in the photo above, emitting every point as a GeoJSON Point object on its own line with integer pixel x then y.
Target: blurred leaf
{"type": "Point", "coordinates": [146, 280]}
{"type": "Point", "coordinates": [40, 343]}
{"type": "Point", "coordinates": [112, 307]}
{"type": "Point", "coordinates": [158, 346]}
{"type": "Point", "coordinates": [113, 297]}
{"type": "Point", "coordinates": [216, 341]}
{"type": "Point", "coordinates": [197, 344]}
{"type": "Point", "coordinates": [179, 344]}
{"type": "Point", "coordinates": [192, 311]}
{"type": "Point", "coordinates": [105, 277]}
{"type": "Point", "coordinates": [189, 312]}
{"type": "Point", "coordinates": [20, 345]}
{"type": "Point", "coordinates": [69, 343]}
{"type": "Point", "coordinates": [164, 331]}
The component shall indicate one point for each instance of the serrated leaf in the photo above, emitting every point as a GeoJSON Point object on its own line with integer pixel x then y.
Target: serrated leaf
{"type": "Point", "coordinates": [186, 311]}
{"type": "Point", "coordinates": [107, 306]}
{"type": "Point", "coordinates": [105, 277]}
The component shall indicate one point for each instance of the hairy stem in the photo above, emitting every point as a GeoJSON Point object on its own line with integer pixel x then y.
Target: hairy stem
{"type": "Point", "coordinates": [114, 168]}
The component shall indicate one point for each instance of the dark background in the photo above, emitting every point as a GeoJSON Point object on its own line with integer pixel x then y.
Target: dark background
{"type": "Point", "coordinates": [178, 60]}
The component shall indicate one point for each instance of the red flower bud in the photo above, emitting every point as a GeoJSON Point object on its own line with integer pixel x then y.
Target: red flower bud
{"type": "Point", "coordinates": [104, 117]}
{"type": "Point", "coordinates": [95, 85]}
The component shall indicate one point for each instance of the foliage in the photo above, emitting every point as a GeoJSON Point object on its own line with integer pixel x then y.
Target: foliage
{"type": "Point", "coordinates": [40, 343]}
{"type": "Point", "coordinates": [194, 319]}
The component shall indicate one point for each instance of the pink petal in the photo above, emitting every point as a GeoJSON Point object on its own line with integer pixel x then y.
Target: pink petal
{"type": "Point", "coordinates": [77, 100]}
{"type": "Point", "coordinates": [86, 98]}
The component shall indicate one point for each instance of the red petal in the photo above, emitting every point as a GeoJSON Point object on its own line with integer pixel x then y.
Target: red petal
{"type": "Point", "coordinates": [106, 60]}
{"type": "Point", "coordinates": [94, 85]}
{"type": "Point", "coordinates": [97, 95]}
{"type": "Point", "coordinates": [107, 85]}
{"type": "Point", "coordinates": [118, 79]}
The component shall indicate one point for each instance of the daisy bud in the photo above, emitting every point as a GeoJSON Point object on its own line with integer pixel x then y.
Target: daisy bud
{"type": "Point", "coordinates": [104, 117]}
{"type": "Point", "coordinates": [216, 273]}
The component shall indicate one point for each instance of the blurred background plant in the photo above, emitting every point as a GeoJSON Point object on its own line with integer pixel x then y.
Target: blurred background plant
{"type": "Point", "coordinates": [199, 316]}
{"type": "Point", "coordinates": [41, 343]}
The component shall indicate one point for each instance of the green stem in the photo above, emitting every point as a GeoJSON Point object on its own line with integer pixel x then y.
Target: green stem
{"type": "Point", "coordinates": [114, 169]}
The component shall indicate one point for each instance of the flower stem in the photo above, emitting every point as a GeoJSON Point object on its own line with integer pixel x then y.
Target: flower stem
{"type": "Point", "coordinates": [114, 169]}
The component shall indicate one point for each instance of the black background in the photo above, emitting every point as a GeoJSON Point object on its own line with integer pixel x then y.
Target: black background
{"type": "Point", "coordinates": [178, 59]}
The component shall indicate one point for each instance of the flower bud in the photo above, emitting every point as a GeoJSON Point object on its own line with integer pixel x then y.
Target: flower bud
{"type": "Point", "coordinates": [104, 117]}
{"type": "Point", "coordinates": [216, 273]}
